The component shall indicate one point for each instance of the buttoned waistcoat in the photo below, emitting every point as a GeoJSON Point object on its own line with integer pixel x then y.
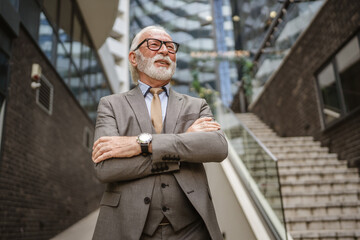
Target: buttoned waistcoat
{"type": "Point", "coordinates": [130, 181]}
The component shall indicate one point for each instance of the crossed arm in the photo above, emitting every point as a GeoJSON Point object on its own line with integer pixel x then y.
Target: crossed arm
{"type": "Point", "coordinates": [125, 147]}
{"type": "Point", "coordinates": [119, 158]}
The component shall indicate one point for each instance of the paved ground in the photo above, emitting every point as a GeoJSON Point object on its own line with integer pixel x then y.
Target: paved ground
{"type": "Point", "coordinates": [82, 230]}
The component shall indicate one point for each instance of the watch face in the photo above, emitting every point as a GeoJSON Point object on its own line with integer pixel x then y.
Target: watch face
{"type": "Point", "coordinates": [145, 138]}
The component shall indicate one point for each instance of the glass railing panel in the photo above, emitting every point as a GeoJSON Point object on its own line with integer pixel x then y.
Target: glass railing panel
{"type": "Point", "coordinates": [263, 182]}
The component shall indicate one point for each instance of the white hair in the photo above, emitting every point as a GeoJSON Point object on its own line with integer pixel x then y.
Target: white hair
{"type": "Point", "coordinates": [133, 70]}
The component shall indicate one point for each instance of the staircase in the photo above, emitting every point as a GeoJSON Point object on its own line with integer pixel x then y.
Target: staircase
{"type": "Point", "coordinates": [321, 195]}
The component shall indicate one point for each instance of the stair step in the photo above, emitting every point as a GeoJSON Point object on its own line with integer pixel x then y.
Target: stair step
{"type": "Point", "coordinates": [279, 140]}
{"type": "Point", "coordinates": [329, 234]}
{"type": "Point", "coordinates": [296, 155]}
{"type": "Point", "coordinates": [311, 156]}
{"type": "Point", "coordinates": [298, 174]}
{"type": "Point", "coordinates": [328, 159]}
{"type": "Point", "coordinates": [297, 148]}
{"type": "Point", "coordinates": [319, 185]}
{"type": "Point", "coordinates": [323, 164]}
{"type": "Point", "coordinates": [310, 197]}
{"type": "Point", "coordinates": [321, 208]}
{"type": "Point", "coordinates": [293, 144]}
{"type": "Point", "coordinates": [323, 222]}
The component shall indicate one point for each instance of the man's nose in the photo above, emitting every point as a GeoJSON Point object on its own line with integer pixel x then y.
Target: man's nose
{"type": "Point", "coordinates": [163, 50]}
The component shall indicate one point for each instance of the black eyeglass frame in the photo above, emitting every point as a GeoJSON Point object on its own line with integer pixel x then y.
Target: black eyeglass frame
{"type": "Point", "coordinates": [162, 42]}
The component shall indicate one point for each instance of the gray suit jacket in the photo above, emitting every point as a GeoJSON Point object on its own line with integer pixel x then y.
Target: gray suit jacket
{"type": "Point", "coordinates": [130, 181]}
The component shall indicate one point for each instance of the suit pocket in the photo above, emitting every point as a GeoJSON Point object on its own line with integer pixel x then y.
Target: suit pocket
{"type": "Point", "coordinates": [111, 199]}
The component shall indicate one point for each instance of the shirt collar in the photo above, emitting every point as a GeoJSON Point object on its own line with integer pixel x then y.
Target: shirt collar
{"type": "Point", "coordinates": [146, 88]}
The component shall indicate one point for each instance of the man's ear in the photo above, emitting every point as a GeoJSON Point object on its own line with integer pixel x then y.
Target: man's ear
{"type": "Point", "coordinates": [132, 59]}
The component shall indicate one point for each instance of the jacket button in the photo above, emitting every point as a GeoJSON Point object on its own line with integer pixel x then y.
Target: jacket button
{"type": "Point", "coordinates": [164, 209]}
{"type": "Point", "coordinates": [147, 200]}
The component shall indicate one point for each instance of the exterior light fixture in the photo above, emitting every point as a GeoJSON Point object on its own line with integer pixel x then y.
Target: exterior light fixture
{"type": "Point", "coordinates": [208, 18]}
{"type": "Point", "coordinates": [35, 76]}
{"type": "Point", "coordinates": [236, 18]}
{"type": "Point", "coordinates": [273, 14]}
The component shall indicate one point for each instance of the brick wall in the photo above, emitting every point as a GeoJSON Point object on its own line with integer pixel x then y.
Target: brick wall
{"type": "Point", "coordinates": [289, 103]}
{"type": "Point", "coordinates": [46, 174]}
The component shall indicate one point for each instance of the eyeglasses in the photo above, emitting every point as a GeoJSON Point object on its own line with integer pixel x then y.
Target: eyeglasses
{"type": "Point", "coordinates": [155, 44]}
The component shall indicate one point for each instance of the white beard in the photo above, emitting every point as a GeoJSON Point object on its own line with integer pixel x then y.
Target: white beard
{"type": "Point", "coordinates": [147, 66]}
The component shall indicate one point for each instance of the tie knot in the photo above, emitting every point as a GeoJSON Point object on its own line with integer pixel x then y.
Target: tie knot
{"type": "Point", "coordinates": [156, 91]}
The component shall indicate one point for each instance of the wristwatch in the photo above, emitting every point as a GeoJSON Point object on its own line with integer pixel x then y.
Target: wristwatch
{"type": "Point", "coordinates": [144, 139]}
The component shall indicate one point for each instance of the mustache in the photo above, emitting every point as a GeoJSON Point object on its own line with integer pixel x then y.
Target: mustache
{"type": "Point", "coordinates": [161, 57]}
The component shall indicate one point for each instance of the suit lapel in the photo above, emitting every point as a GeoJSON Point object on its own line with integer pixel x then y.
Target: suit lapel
{"type": "Point", "coordinates": [172, 112]}
{"type": "Point", "coordinates": [137, 103]}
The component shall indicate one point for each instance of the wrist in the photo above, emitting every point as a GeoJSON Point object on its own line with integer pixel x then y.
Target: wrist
{"type": "Point", "coordinates": [144, 140]}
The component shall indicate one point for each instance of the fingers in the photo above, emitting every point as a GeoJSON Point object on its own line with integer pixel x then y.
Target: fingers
{"type": "Point", "coordinates": [103, 157]}
{"type": "Point", "coordinates": [110, 147]}
{"type": "Point", "coordinates": [100, 140]}
{"type": "Point", "coordinates": [211, 124]}
{"type": "Point", "coordinates": [203, 119]}
{"type": "Point", "coordinates": [209, 129]}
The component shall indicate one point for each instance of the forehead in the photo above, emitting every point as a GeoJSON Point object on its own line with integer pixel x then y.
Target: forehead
{"type": "Point", "coordinates": [158, 34]}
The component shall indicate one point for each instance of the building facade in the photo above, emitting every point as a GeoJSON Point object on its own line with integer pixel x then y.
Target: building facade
{"type": "Point", "coordinates": [47, 120]}
{"type": "Point", "coordinates": [315, 92]}
{"type": "Point", "coordinates": [195, 25]}
{"type": "Point", "coordinates": [268, 29]}
{"type": "Point", "coordinates": [117, 45]}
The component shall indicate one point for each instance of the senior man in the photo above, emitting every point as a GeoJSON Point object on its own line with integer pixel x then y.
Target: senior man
{"type": "Point", "coordinates": [150, 145]}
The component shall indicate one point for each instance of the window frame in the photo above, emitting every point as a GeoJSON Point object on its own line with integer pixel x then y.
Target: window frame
{"type": "Point", "coordinates": [344, 113]}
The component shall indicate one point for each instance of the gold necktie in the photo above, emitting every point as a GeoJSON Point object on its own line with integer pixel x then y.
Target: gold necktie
{"type": "Point", "coordinates": [156, 115]}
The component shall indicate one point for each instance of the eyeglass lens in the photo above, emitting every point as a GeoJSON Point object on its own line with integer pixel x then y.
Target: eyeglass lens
{"type": "Point", "coordinates": [155, 45]}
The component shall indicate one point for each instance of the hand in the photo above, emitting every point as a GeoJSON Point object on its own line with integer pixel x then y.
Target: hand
{"type": "Point", "coordinates": [205, 124]}
{"type": "Point", "coordinates": [111, 147]}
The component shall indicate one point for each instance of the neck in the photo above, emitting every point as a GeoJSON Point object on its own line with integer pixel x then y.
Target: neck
{"type": "Point", "coordinates": [153, 82]}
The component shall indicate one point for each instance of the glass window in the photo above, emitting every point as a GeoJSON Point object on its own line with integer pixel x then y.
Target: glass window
{"type": "Point", "coordinates": [329, 93]}
{"type": "Point", "coordinates": [339, 82]}
{"type": "Point", "coordinates": [71, 51]}
{"type": "Point", "coordinates": [62, 61]}
{"type": "Point", "coordinates": [75, 82]}
{"type": "Point", "coordinates": [45, 36]}
{"type": "Point", "coordinates": [4, 66]}
{"type": "Point", "coordinates": [85, 59]}
{"type": "Point", "coordinates": [348, 63]}
{"type": "Point", "coordinates": [76, 44]}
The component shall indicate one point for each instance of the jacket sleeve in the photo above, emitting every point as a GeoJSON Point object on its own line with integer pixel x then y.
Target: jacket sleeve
{"type": "Point", "coordinates": [191, 147]}
{"type": "Point", "coordinates": [122, 169]}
